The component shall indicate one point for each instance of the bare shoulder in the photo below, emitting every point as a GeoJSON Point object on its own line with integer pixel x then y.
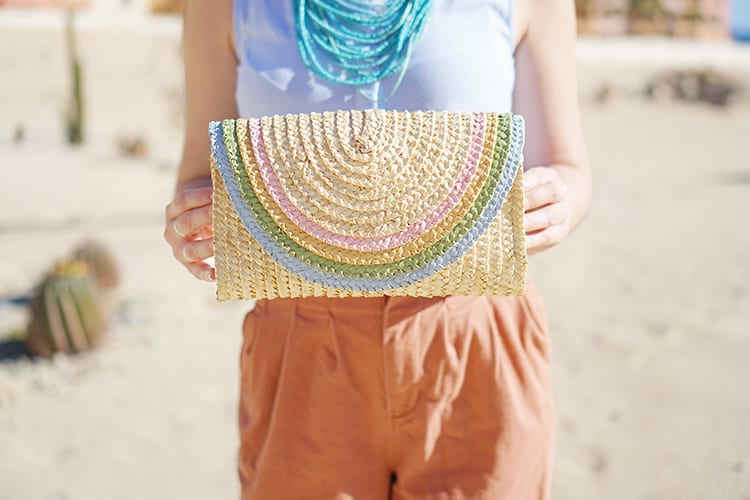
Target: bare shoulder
{"type": "Point", "coordinates": [209, 20]}
{"type": "Point", "coordinates": [548, 18]}
{"type": "Point", "coordinates": [211, 10]}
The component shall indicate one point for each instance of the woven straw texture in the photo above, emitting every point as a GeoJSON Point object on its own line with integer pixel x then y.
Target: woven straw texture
{"type": "Point", "coordinates": [368, 203]}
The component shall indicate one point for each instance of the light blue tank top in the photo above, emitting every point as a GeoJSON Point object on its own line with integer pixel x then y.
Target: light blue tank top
{"type": "Point", "coordinates": [463, 62]}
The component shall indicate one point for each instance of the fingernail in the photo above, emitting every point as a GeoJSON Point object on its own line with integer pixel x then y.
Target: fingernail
{"type": "Point", "coordinates": [176, 229]}
{"type": "Point", "coordinates": [212, 275]}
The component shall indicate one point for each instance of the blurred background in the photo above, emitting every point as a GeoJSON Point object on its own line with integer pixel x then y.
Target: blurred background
{"type": "Point", "coordinates": [649, 301]}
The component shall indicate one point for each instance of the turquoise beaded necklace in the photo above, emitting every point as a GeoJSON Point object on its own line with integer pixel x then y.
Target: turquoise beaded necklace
{"type": "Point", "coordinates": [358, 42]}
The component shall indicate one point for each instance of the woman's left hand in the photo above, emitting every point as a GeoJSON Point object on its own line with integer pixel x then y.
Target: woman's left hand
{"type": "Point", "coordinates": [547, 217]}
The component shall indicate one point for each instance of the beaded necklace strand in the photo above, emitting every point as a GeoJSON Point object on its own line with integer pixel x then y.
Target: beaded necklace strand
{"type": "Point", "coordinates": [357, 42]}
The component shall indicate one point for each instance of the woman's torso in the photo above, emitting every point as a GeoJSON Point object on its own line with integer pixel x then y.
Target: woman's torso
{"type": "Point", "coordinates": [463, 62]}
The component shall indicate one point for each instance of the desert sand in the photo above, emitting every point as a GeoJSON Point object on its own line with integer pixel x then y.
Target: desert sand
{"type": "Point", "coordinates": [649, 300]}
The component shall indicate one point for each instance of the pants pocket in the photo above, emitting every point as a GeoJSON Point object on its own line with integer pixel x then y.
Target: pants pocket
{"type": "Point", "coordinates": [250, 328]}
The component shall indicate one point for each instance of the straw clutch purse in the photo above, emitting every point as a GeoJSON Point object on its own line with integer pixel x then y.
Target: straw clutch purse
{"type": "Point", "coordinates": [368, 203]}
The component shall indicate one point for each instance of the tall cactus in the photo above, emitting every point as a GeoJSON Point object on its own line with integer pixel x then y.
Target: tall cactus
{"type": "Point", "coordinates": [74, 118]}
{"type": "Point", "coordinates": [65, 312]}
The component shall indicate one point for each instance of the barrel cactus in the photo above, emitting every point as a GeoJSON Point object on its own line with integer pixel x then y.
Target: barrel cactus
{"type": "Point", "coordinates": [66, 314]}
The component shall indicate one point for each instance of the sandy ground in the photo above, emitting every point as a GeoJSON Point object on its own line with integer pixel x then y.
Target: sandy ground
{"type": "Point", "coordinates": [649, 300]}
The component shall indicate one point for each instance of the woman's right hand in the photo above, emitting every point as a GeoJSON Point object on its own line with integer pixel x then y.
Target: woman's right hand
{"type": "Point", "coordinates": [189, 228]}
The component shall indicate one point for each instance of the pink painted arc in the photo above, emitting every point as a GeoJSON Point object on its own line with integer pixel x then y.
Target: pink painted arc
{"type": "Point", "coordinates": [274, 187]}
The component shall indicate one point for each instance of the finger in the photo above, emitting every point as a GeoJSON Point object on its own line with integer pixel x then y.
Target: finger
{"type": "Point", "coordinates": [547, 216]}
{"type": "Point", "coordinates": [195, 251]}
{"type": "Point", "coordinates": [187, 200]}
{"type": "Point", "coordinates": [544, 194]}
{"type": "Point", "coordinates": [204, 233]}
{"type": "Point", "coordinates": [202, 271]}
{"type": "Point", "coordinates": [192, 221]}
{"type": "Point", "coordinates": [536, 176]}
{"type": "Point", "coordinates": [542, 240]}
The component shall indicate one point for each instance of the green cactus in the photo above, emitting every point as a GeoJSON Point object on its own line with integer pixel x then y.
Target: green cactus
{"type": "Point", "coordinates": [65, 313]}
{"type": "Point", "coordinates": [74, 118]}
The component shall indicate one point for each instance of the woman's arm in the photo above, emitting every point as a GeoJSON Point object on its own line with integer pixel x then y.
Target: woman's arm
{"type": "Point", "coordinates": [210, 79]}
{"type": "Point", "coordinates": [558, 180]}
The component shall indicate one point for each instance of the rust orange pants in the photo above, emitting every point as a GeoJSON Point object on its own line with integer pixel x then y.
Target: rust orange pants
{"type": "Point", "coordinates": [402, 398]}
